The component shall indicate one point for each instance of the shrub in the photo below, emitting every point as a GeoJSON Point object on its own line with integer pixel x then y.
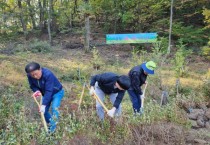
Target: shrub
{"type": "Point", "coordinates": [206, 51]}
{"type": "Point", "coordinates": [39, 46]}
{"type": "Point", "coordinates": [180, 59]}
{"type": "Point", "coordinates": [206, 85]}
{"type": "Point", "coordinates": [34, 46]}
{"type": "Point", "coordinates": [96, 61]}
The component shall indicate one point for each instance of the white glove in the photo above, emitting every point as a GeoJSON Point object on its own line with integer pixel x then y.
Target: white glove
{"type": "Point", "coordinates": [142, 96]}
{"type": "Point", "coordinates": [111, 112]}
{"type": "Point", "coordinates": [92, 91]}
{"type": "Point", "coordinates": [42, 108]}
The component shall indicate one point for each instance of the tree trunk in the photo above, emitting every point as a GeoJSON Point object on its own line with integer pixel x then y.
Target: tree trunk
{"type": "Point", "coordinates": [115, 17]}
{"type": "Point", "coordinates": [22, 19]}
{"type": "Point", "coordinates": [54, 26]}
{"type": "Point", "coordinates": [170, 29]}
{"type": "Point", "coordinates": [31, 13]}
{"type": "Point", "coordinates": [49, 21]}
{"type": "Point", "coordinates": [87, 33]}
{"type": "Point", "coordinates": [41, 16]}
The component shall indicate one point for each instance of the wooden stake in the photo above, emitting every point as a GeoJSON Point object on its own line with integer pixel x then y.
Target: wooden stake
{"type": "Point", "coordinates": [81, 97]}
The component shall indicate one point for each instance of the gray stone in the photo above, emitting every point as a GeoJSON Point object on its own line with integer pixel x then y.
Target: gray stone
{"type": "Point", "coordinates": [194, 124]}
{"type": "Point", "coordinates": [194, 114]}
{"type": "Point", "coordinates": [207, 113]}
{"type": "Point", "coordinates": [200, 141]}
{"type": "Point", "coordinates": [200, 121]}
{"type": "Point", "coordinates": [207, 125]}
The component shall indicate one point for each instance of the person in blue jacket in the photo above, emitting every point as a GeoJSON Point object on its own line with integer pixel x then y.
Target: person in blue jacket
{"type": "Point", "coordinates": [43, 82]}
{"type": "Point", "coordinates": [109, 84]}
{"type": "Point", "coordinates": [138, 76]}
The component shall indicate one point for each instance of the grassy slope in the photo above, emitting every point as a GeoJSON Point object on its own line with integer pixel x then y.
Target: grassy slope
{"type": "Point", "coordinates": [21, 124]}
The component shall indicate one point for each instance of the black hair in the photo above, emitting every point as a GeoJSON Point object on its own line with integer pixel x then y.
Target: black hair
{"type": "Point", "coordinates": [32, 66]}
{"type": "Point", "coordinates": [124, 82]}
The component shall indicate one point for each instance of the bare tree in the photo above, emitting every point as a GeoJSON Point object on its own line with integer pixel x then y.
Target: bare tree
{"type": "Point", "coordinates": [87, 29]}
{"type": "Point", "coordinates": [49, 21]}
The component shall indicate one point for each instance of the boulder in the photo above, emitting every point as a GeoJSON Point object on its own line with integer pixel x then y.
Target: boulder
{"type": "Point", "coordinates": [200, 141]}
{"type": "Point", "coordinates": [207, 113]}
{"type": "Point", "coordinates": [207, 125]}
{"type": "Point", "coordinates": [194, 124]}
{"type": "Point", "coordinates": [194, 114]}
{"type": "Point", "coordinates": [200, 121]}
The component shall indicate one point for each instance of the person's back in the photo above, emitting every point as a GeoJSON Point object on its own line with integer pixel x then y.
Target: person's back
{"type": "Point", "coordinates": [112, 85]}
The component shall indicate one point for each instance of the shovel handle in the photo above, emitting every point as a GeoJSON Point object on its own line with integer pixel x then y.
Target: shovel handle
{"type": "Point", "coordinates": [42, 114]}
{"type": "Point", "coordinates": [142, 100]}
{"type": "Point", "coordinates": [99, 100]}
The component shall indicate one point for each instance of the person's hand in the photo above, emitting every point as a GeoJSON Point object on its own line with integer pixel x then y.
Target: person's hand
{"type": "Point", "coordinates": [42, 108]}
{"type": "Point", "coordinates": [37, 94]}
{"type": "Point", "coordinates": [92, 91]}
{"type": "Point", "coordinates": [111, 112]}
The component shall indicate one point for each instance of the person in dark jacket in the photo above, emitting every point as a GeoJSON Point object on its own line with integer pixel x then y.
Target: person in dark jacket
{"type": "Point", "coordinates": [43, 82]}
{"type": "Point", "coordinates": [138, 76]}
{"type": "Point", "coordinates": [109, 84]}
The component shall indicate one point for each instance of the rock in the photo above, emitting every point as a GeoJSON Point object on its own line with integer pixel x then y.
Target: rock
{"type": "Point", "coordinates": [200, 141]}
{"type": "Point", "coordinates": [207, 125]}
{"type": "Point", "coordinates": [194, 114]}
{"type": "Point", "coordinates": [202, 106]}
{"type": "Point", "coordinates": [194, 124]}
{"type": "Point", "coordinates": [207, 113]}
{"type": "Point", "coordinates": [200, 121]}
{"type": "Point", "coordinates": [186, 105]}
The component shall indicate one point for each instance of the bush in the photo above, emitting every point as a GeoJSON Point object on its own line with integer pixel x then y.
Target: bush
{"type": "Point", "coordinates": [180, 59]}
{"type": "Point", "coordinates": [206, 51]}
{"type": "Point", "coordinates": [34, 46]}
{"type": "Point", "coordinates": [96, 61]}
{"type": "Point", "coordinates": [206, 85]}
{"type": "Point", "coordinates": [39, 46]}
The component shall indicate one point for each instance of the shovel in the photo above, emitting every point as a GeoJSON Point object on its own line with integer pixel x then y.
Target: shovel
{"type": "Point", "coordinates": [142, 99]}
{"type": "Point", "coordinates": [41, 113]}
{"type": "Point", "coordinates": [99, 100]}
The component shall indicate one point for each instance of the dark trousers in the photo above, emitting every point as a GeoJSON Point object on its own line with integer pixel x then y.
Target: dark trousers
{"type": "Point", "coordinates": [136, 100]}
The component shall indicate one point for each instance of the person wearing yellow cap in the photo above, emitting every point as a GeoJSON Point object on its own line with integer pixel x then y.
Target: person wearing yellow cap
{"type": "Point", "coordinates": [138, 76]}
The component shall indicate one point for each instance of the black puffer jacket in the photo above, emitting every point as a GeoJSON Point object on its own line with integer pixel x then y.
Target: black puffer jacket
{"type": "Point", "coordinates": [138, 78]}
{"type": "Point", "coordinates": [106, 82]}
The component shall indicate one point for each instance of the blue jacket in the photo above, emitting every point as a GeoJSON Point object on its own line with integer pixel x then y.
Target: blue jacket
{"type": "Point", "coordinates": [106, 82]}
{"type": "Point", "coordinates": [138, 78]}
{"type": "Point", "coordinates": [48, 85]}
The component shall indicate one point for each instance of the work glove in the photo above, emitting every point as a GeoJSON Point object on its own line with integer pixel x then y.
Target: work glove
{"type": "Point", "coordinates": [37, 94]}
{"type": "Point", "coordinates": [92, 91]}
{"type": "Point", "coordinates": [111, 112]}
{"type": "Point", "coordinates": [42, 108]}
